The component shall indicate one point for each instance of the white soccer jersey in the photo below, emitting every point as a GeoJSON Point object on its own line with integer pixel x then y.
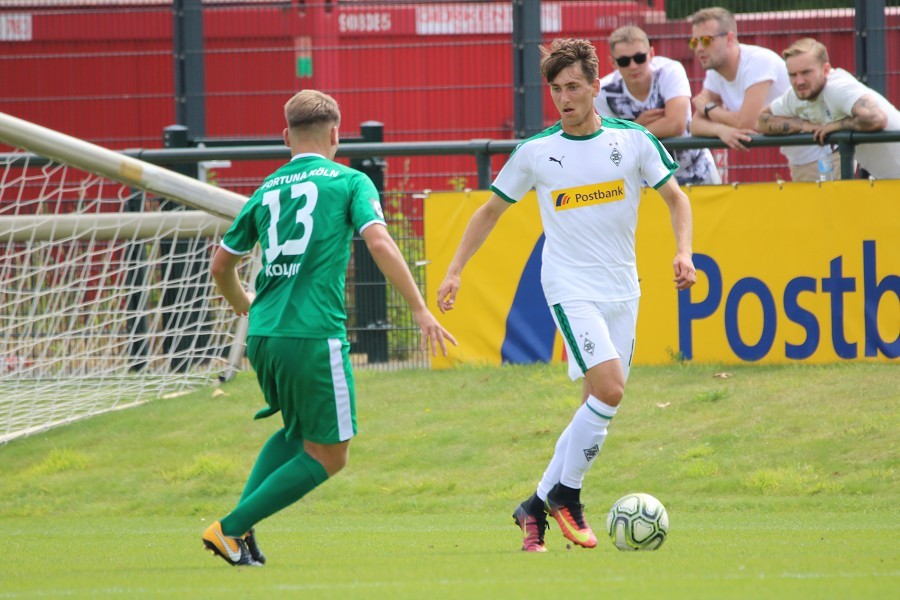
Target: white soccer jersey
{"type": "Point", "coordinates": [588, 190]}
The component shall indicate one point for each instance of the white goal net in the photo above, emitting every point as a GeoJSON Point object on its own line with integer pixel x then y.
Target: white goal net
{"type": "Point", "coordinates": [105, 297]}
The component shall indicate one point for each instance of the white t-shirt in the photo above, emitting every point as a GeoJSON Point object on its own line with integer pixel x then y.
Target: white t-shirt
{"type": "Point", "coordinates": [758, 64]}
{"type": "Point", "coordinates": [588, 190]}
{"type": "Point", "coordinates": [841, 92]}
{"type": "Point", "coordinates": [669, 81]}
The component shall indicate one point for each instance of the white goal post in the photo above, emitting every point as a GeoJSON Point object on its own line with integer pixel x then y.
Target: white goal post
{"type": "Point", "coordinates": [124, 169]}
{"type": "Point", "coordinates": [105, 298]}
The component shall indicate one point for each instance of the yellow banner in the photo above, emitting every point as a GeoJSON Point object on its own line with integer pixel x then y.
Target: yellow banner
{"type": "Point", "coordinates": [790, 273]}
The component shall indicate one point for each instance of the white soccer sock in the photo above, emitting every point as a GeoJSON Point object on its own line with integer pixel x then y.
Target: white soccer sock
{"type": "Point", "coordinates": [554, 468]}
{"type": "Point", "coordinates": [587, 432]}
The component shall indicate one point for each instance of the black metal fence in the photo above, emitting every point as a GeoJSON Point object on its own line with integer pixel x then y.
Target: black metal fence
{"type": "Point", "coordinates": [382, 332]}
{"type": "Point", "coordinates": [123, 70]}
{"type": "Point", "coordinates": [456, 85]}
{"type": "Point", "coordinates": [381, 329]}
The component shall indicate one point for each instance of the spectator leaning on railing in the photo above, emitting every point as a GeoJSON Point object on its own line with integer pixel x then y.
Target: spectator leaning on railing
{"type": "Point", "coordinates": [822, 100]}
{"type": "Point", "coordinates": [740, 80]}
{"type": "Point", "coordinates": [653, 91]}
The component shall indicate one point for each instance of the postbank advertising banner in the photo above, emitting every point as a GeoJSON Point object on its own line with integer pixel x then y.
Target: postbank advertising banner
{"type": "Point", "coordinates": [786, 273]}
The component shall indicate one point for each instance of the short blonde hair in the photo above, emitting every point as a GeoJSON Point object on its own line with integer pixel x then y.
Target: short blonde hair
{"type": "Point", "coordinates": [804, 45]}
{"type": "Point", "coordinates": [310, 108]}
{"type": "Point", "coordinates": [716, 13]}
{"type": "Point", "coordinates": [626, 35]}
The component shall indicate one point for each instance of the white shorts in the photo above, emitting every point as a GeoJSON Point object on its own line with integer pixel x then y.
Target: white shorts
{"type": "Point", "coordinates": [595, 332]}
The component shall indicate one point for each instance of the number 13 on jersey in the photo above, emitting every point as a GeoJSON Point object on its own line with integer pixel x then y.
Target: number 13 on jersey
{"type": "Point", "coordinates": [290, 247]}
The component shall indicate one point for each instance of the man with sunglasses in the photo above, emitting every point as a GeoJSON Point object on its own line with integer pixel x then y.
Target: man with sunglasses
{"type": "Point", "coordinates": [653, 91]}
{"type": "Point", "coordinates": [823, 100]}
{"type": "Point", "coordinates": [741, 79]}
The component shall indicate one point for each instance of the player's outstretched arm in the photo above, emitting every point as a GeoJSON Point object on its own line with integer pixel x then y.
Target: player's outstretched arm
{"type": "Point", "coordinates": [480, 226]}
{"type": "Point", "coordinates": [680, 212]}
{"type": "Point", "coordinates": [390, 260]}
{"type": "Point", "coordinates": [224, 273]}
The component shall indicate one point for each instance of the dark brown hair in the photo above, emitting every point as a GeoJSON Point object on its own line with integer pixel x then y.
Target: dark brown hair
{"type": "Point", "coordinates": [565, 52]}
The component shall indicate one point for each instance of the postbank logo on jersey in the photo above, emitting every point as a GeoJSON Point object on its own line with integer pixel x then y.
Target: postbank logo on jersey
{"type": "Point", "coordinates": [589, 195]}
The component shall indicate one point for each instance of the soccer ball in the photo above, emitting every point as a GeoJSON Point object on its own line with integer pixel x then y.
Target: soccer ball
{"type": "Point", "coordinates": [637, 522]}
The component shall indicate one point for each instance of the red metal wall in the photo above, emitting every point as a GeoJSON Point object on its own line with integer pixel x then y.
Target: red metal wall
{"type": "Point", "coordinates": [105, 75]}
{"type": "Point", "coordinates": [101, 75]}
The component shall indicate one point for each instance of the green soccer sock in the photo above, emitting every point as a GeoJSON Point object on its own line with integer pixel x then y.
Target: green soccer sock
{"type": "Point", "coordinates": [284, 486]}
{"type": "Point", "coordinates": [275, 452]}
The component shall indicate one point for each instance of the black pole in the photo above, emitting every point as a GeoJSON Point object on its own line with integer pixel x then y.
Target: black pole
{"type": "Point", "coordinates": [370, 287]}
{"type": "Point", "coordinates": [871, 46]}
{"type": "Point", "coordinates": [136, 281]}
{"type": "Point", "coordinates": [483, 163]}
{"type": "Point", "coordinates": [183, 313]}
{"type": "Point", "coordinates": [527, 83]}
{"type": "Point", "coordinates": [190, 100]}
{"type": "Point", "coordinates": [847, 150]}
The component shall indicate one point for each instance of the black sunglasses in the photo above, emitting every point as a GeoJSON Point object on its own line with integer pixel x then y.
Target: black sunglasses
{"type": "Point", "coordinates": [639, 59]}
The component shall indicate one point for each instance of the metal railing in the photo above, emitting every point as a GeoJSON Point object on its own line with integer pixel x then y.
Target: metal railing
{"type": "Point", "coordinates": [380, 336]}
{"type": "Point", "coordinates": [483, 149]}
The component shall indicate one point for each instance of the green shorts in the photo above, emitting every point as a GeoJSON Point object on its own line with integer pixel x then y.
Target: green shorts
{"type": "Point", "coordinates": [310, 382]}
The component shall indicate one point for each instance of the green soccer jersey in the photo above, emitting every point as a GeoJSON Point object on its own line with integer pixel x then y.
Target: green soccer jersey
{"type": "Point", "coordinates": [303, 216]}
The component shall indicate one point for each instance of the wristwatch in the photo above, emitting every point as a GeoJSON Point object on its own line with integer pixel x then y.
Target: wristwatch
{"type": "Point", "coordinates": [708, 108]}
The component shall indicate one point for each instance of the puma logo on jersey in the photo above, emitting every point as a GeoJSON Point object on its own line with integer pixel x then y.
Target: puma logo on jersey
{"type": "Point", "coordinates": [557, 160]}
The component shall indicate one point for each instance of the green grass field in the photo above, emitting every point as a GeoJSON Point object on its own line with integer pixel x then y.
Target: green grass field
{"type": "Point", "coordinates": [780, 482]}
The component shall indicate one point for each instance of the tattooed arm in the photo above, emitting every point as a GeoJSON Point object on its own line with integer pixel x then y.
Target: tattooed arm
{"type": "Point", "coordinates": [770, 124]}
{"type": "Point", "coordinates": [865, 116]}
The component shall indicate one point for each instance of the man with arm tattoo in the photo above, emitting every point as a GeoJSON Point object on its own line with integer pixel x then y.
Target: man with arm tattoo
{"type": "Point", "coordinates": [823, 100]}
